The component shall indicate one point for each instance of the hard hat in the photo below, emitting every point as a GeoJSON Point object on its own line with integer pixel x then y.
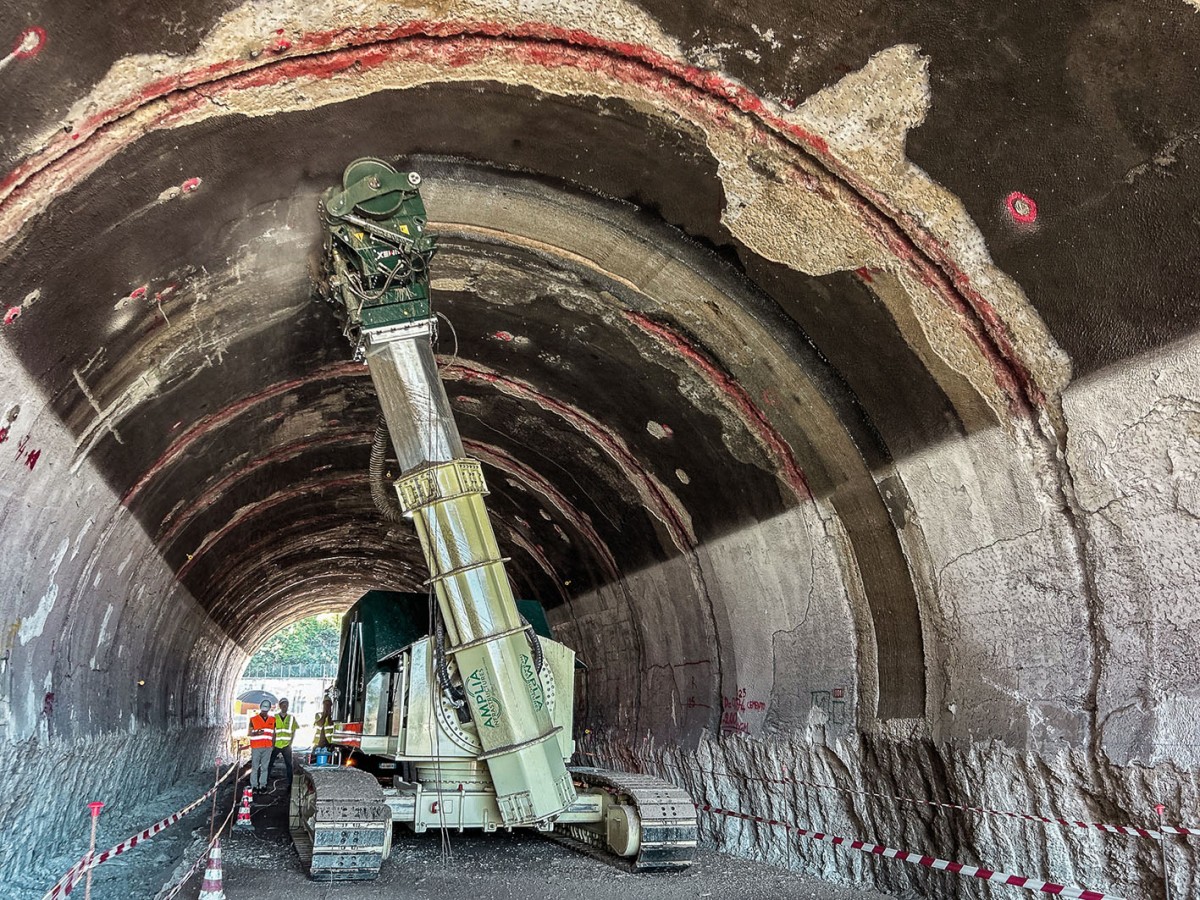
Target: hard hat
{"type": "Point", "coordinates": [284, 700]}
{"type": "Point", "coordinates": [266, 704]}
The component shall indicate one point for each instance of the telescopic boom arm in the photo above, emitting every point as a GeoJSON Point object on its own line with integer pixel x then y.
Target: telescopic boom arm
{"type": "Point", "coordinates": [377, 254]}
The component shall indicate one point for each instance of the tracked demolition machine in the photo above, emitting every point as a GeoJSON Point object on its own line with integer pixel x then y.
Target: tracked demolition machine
{"type": "Point", "coordinates": [455, 707]}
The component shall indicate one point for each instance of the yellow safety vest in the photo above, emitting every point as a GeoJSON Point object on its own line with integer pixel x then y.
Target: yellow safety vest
{"type": "Point", "coordinates": [325, 730]}
{"type": "Point", "coordinates": [285, 730]}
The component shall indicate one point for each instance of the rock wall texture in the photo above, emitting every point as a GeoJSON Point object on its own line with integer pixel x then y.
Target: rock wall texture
{"type": "Point", "coordinates": [1030, 550]}
{"type": "Point", "coordinates": [113, 682]}
{"type": "Point", "coordinates": [49, 782]}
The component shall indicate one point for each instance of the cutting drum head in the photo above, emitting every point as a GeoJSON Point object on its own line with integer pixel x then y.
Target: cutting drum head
{"type": "Point", "coordinates": [365, 168]}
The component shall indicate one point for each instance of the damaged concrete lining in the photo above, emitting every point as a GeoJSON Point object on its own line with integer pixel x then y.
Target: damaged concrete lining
{"type": "Point", "coordinates": [772, 386]}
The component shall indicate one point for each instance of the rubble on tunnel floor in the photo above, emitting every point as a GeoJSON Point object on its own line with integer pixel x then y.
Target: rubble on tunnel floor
{"type": "Point", "coordinates": [506, 866]}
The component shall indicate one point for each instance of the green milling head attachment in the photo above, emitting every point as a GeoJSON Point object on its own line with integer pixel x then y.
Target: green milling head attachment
{"type": "Point", "coordinates": [377, 252]}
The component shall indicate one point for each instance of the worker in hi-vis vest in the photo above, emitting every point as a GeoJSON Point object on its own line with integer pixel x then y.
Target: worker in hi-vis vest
{"type": "Point", "coordinates": [324, 724]}
{"type": "Point", "coordinates": [262, 739]}
{"type": "Point", "coordinates": [285, 733]}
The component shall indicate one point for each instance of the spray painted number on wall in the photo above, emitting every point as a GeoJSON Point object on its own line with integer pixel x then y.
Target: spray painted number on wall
{"type": "Point", "coordinates": [25, 457]}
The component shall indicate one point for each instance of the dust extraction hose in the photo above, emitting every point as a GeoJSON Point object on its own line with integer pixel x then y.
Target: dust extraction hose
{"type": "Point", "coordinates": [381, 492]}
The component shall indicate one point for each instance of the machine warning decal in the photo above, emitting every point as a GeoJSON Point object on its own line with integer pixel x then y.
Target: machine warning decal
{"type": "Point", "coordinates": [532, 683]}
{"type": "Point", "coordinates": [486, 704]}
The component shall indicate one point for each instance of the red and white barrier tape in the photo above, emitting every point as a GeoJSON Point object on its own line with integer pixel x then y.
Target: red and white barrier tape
{"type": "Point", "coordinates": [199, 863]}
{"type": "Point", "coordinates": [187, 876]}
{"type": "Point", "coordinates": [1155, 833]}
{"type": "Point", "coordinates": [917, 859]}
{"type": "Point", "coordinates": [67, 883]}
{"type": "Point", "coordinates": [1128, 830]}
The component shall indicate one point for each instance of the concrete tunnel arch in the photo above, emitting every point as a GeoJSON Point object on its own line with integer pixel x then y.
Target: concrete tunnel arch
{"type": "Point", "coordinates": [762, 417]}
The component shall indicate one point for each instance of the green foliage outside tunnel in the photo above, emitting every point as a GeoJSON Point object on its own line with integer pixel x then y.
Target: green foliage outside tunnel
{"type": "Point", "coordinates": [304, 649]}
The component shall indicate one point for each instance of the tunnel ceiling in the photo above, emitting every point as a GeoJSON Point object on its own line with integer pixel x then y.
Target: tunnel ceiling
{"type": "Point", "coordinates": [677, 303]}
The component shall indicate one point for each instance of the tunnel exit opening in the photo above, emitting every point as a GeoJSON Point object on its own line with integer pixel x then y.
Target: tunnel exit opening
{"type": "Point", "coordinates": [298, 662]}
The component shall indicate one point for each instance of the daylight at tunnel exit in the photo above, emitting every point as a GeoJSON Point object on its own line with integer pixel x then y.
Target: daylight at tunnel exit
{"type": "Point", "coordinates": [600, 448]}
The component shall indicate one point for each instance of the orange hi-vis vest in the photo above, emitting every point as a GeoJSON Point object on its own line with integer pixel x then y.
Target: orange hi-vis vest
{"type": "Point", "coordinates": [267, 725]}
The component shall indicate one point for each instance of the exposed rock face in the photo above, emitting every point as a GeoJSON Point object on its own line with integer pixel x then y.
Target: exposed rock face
{"type": "Point", "coordinates": [833, 368]}
{"type": "Point", "coordinates": [50, 781]}
{"type": "Point", "coordinates": [1026, 718]}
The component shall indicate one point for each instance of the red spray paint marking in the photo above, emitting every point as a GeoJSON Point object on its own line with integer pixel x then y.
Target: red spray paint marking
{"type": "Point", "coordinates": [864, 273]}
{"type": "Point", "coordinates": [4, 434]}
{"type": "Point", "coordinates": [326, 44]}
{"type": "Point", "coordinates": [222, 417]}
{"type": "Point", "coordinates": [755, 420]}
{"type": "Point", "coordinates": [503, 336]}
{"type": "Point", "coordinates": [190, 185]}
{"type": "Point", "coordinates": [979, 320]}
{"type": "Point", "coordinates": [14, 313]}
{"type": "Point", "coordinates": [139, 293]}
{"type": "Point", "coordinates": [32, 457]}
{"type": "Point", "coordinates": [558, 46]}
{"type": "Point", "coordinates": [29, 42]}
{"type": "Point", "coordinates": [1021, 207]}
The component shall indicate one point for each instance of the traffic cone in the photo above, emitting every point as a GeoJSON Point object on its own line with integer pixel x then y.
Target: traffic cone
{"type": "Point", "coordinates": [213, 886]}
{"type": "Point", "coordinates": [243, 822]}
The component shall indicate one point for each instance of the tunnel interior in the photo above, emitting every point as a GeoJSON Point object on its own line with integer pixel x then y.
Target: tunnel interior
{"type": "Point", "coordinates": [832, 368]}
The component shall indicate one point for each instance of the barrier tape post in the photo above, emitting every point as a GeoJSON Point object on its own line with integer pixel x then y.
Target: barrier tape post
{"type": "Point", "coordinates": [212, 816]}
{"type": "Point", "coordinates": [1160, 809]}
{"type": "Point", "coordinates": [90, 860]}
{"type": "Point", "coordinates": [234, 803]}
{"type": "Point", "coordinates": [95, 806]}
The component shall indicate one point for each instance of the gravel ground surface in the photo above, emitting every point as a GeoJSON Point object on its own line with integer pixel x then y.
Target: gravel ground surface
{"type": "Point", "coordinates": [517, 866]}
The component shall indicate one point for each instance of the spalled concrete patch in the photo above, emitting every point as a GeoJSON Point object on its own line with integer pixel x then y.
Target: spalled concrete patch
{"type": "Point", "coordinates": [866, 118]}
{"type": "Point", "coordinates": [780, 202]}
